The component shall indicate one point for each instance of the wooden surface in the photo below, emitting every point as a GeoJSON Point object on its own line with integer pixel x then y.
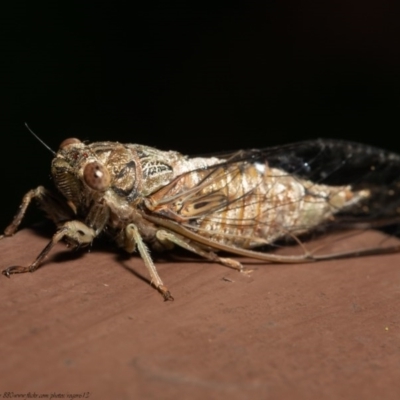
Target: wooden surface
{"type": "Point", "coordinates": [85, 325]}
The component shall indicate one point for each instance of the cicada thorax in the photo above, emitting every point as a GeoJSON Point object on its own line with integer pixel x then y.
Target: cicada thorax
{"type": "Point", "coordinates": [248, 204]}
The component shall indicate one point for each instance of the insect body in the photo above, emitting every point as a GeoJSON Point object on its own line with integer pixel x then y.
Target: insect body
{"type": "Point", "coordinates": [142, 197]}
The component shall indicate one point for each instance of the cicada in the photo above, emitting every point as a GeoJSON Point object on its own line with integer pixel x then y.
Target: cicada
{"type": "Point", "coordinates": [239, 203]}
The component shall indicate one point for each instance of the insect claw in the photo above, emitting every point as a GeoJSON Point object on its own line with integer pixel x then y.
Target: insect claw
{"type": "Point", "coordinates": [165, 293]}
{"type": "Point", "coordinates": [229, 262]}
{"type": "Point", "coordinates": [168, 297]}
{"type": "Point", "coordinates": [6, 272]}
{"type": "Point", "coordinates": [247, 272]}
{"type": "Point", "coordinates": [15, 270]}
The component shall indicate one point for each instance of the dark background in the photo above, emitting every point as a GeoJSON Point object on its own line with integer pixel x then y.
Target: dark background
{"type": "Point", "coordinates": [184, 76]}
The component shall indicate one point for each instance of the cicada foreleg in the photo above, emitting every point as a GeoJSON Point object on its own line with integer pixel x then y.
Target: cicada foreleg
{"type": "Point", "coordinates": [75, 232]}
{"type": "Point", "coordinates": [133, 239]}
{"type": "Point", "coordinates": [165, 236]}
{"type": "Point", "coordinates": [56, 208]}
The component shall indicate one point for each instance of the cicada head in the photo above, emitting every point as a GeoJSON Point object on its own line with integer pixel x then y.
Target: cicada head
{"type": "Point", "coordinates": [84, 173]}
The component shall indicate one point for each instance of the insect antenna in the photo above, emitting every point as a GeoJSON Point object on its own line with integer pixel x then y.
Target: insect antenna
{"type": "Point", "coordinates": [40, 140]}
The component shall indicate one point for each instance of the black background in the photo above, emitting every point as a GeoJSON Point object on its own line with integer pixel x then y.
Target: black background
{"type": "Point", "coordinates": [184, 76]}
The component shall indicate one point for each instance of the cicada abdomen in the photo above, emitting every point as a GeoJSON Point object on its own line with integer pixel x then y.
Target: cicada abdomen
{"type": "Point", "coordinates": [248, 204]}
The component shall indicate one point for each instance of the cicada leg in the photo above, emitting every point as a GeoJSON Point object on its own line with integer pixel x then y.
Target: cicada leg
{"type": "Point", "coordinates": [165, 236]}
{"type": "Point", "coordinates": [56, 208]}
{"type": "Point", "coordinates": [73, 231]}
{"type": "Point", "coordinates": [133, 239]}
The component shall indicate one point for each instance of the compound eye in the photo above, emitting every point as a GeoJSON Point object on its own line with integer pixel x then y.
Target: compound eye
{"type": "Point", "coordinates": [68, 142]}
{"type": "Point", "coordinates": [96, 176]}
